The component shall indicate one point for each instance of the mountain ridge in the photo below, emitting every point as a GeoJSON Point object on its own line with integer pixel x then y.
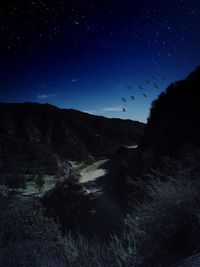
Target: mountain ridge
{"type": "Point", "coordinates": [28, 130]}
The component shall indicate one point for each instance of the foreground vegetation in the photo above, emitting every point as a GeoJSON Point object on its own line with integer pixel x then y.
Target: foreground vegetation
{"type": "Point", "coordinates": [160, 230]}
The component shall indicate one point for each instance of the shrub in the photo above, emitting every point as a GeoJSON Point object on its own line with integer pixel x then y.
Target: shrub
{"type": "Point", "coordinates": [69, 204]}
{"type": "Point", "coordinates": [71, 251]}
{"type": "Point", "coordinates": [24, 220]}
{"type": "Point", "coordinates": [166, 225]}
{"type": "Point", "coordinates": [29, 253]}
{"type": "Point", "coordinates": [117, 252]}
{"type": "Point", "coordinates": [14, 180]}
{"type": "Point", "coordinates": [27, 238]}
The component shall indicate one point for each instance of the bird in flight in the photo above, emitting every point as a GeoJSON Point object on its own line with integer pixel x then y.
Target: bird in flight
{"type": "Point", "coordinates": [140, 87]}
{"type": "Point", "coordinates": [123, 99]}
{"type": "Point", "coordinates": [156, 86]}
{"type": "Point", "coordinates": [129, 87]}
{"type": "Point", "coordinates": [147, 82]}
{"type": "Point", "coordinates": [132, 97]}
{"type": "Point", "coordinates": [123, 110]}
{"type": "Point", "coordinates": [144, 95]}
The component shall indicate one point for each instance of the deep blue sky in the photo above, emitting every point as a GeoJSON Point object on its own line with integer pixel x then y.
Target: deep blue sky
{"type": "Point", "coordinates": [84, 54]}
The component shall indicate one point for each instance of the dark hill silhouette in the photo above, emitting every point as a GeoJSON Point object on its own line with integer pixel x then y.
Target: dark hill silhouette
{"type": "Point", "coordinates": [35, 134]}
{"type": "Point", "coordinates": [172, 130]}
{"type": "Point", "coordinates": [174, 120]}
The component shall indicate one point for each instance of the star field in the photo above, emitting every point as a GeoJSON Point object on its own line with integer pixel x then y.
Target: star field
{"type": "Point", "coordinates": [83, 54]}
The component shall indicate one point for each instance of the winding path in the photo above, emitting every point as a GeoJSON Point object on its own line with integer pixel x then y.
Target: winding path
{"type": "Point", "coordinates": [91, 174]}
{"type": "Point", "coordinates": [98, 180]}
{"type": "Point", "coordinates": [105, 213]}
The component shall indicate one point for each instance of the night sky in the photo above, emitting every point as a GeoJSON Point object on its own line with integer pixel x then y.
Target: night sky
{"type": "Point", "coordinates": [88, 54]}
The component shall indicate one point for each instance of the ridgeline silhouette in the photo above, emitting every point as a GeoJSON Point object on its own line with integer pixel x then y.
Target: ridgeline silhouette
{"type": "Point", "coordinates": [35, 136]}
{"type": "Point", "coordinates": [174, 118]}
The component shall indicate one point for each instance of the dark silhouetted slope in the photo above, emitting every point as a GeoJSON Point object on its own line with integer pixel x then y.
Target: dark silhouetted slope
{"type": "Point", "coordinates": [172, 130]}
{"type": "Point", "coordinates": [174, 119]}
{"type": "Point", "coordinates": [34, 134]}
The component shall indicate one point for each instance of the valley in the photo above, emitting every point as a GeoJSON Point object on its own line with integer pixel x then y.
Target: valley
{"type": "Point", "coordinates": [97, 188]}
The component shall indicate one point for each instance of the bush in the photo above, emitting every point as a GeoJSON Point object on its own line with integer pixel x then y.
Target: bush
{"type": "Point", "coordinates": [166, 226]}
{"type": "Point", "coordinates": [117, 252]}
{"type": "Point", "coordinates": [24, 220]}
{"type": "Point", "coordinates": [27, 238]}
{"type": "Point", "coordinates": [69, 204]}
{"type": "Point", "coordinates": [71, 251]}
{"type": "Point", "coordinates": [14, 180]}
{"type": "Point", "coordinates": [29, 253]}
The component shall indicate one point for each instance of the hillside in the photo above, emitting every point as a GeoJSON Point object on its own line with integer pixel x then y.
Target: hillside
{"type": "Point", "coordinates": [172, 131]}
{"type": "Point", "coordinates": [174, 120]}
{"type": "Point", "coordinates": [35, 135]}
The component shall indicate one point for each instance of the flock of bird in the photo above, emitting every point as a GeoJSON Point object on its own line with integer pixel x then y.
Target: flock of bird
{"type": "Point", "coordinates": [154, 80]}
